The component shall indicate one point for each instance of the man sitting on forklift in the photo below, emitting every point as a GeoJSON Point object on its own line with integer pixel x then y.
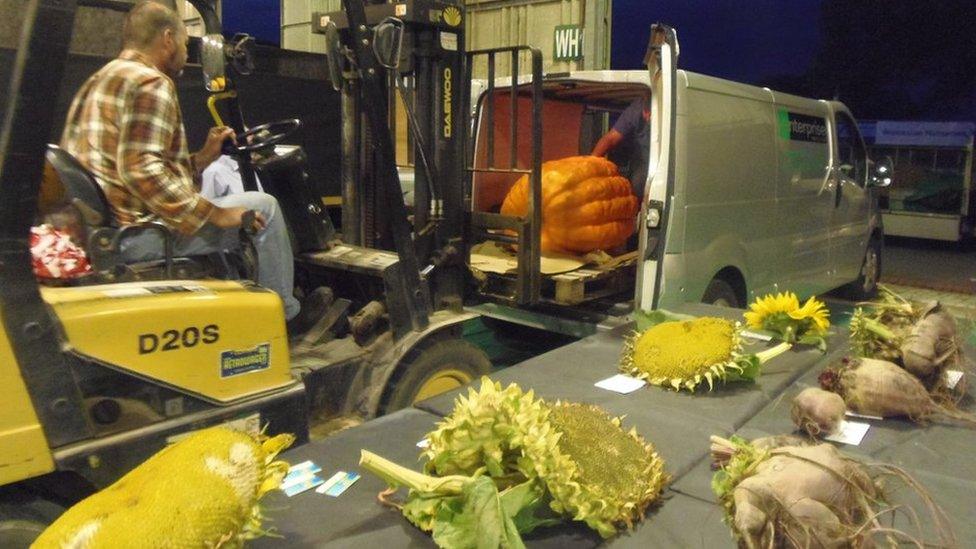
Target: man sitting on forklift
{"type": "Point", "coordinates": [125, 127]}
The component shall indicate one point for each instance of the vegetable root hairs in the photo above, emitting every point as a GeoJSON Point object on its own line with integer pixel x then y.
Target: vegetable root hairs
{"type": "Point", "coordinates": [859, 512]}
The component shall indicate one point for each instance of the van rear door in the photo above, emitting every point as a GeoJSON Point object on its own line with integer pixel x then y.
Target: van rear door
{"type": "Point", "coordinates": [662, 63]}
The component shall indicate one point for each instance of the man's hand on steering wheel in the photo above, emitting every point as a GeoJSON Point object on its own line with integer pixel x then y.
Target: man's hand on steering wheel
{"type": "Point", "coordinates": [264, 136]}
{"type": "Point", "coordinates": [211, 149]}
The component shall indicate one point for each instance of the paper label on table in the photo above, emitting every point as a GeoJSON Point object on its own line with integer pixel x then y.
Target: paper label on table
{"type": "Point", "coordinates": [621, 384]}
{"type": "Point", "coordinates": [338, 484]}
{"type": "Point", "coordinates": [425, 443]}
{"type": "Point", "coordinates": [849, 432]}
{"type": "Point", "coordinates": [300, 471]}
{"type": "Point", "coordinates": [756, 335]}
{"type": "Point", "coordinates": [302, 484]}
{"type": "Point", "coordinates": [952, 378]}
{"type": "Point", "coordinates": [862, 416]}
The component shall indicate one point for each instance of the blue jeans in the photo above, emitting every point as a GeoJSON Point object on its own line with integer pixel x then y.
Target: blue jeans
{"type": "Point", "coordinates": [275, 266]}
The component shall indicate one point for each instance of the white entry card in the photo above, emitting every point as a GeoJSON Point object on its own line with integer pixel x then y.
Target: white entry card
{"type": "Point", "coordinates": [621, 384]}
{"type": "Point", "coordinates": [849, 432]}
{"type": "Point", "coordinates": [952, 378]}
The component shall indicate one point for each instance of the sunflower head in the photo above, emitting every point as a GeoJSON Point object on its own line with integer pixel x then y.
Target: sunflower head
{"type": "Point", "coordinates": [782, 314]}
{"type": "Point", "coordinates": [682, 354]}
{"type": "Point", "coordinates": [769, 306]}
{"type": "Point", "coordinates": [814, 314]}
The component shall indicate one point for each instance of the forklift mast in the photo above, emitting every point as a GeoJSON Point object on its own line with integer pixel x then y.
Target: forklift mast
{"type": "Point", "coordinates": [38, 70]}
{"type": "Point", "coordinates": [427, 40]}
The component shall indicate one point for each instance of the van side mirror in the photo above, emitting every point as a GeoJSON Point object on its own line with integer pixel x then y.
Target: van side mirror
{"type": "Point", "coordinates": [388, 41]}
{"type": "Point", "coordinates": [883, 172]}
{"type": "Point", "coordinates": [212, 59]}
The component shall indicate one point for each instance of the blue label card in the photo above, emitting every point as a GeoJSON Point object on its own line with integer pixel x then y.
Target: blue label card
{"type": "Point", "coordinates": [338, 484]}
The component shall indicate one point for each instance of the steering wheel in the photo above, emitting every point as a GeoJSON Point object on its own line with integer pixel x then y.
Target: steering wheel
{"type": "Point", "coordinates": [265, 135]}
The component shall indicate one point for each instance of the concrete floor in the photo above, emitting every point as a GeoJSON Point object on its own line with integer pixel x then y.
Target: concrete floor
{"type": "Point", "coordinates": [929, 264]}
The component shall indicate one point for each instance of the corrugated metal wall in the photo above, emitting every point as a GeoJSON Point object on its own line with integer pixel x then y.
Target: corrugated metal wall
{"type": "Point", "coordinates": [296, 24]}
{"type": "Point", "coordinates": [497, 23]}
{"type": "Point", "coordinates": [490, 23]}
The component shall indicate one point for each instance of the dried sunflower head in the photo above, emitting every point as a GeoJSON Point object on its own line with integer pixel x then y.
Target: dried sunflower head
{"type": "Point", "coordinates": [515, 437]}
{"type": "Point", "coordinates": [489, 429]}
{"type": "Point", "coordinates": [608, 484]}
{"type": "Point", "coordinates": [682, 354]}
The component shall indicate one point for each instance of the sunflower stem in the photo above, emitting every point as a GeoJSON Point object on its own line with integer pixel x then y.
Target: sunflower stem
{"type": "Point", "coordinates": [878, 329]}
{"type": "Point", "coordinates": [772, 352]}
{"type": "Point", "coordinates": [397, 475]}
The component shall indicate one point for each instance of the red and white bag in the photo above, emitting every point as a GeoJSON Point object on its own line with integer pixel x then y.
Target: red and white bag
{"type": "Point", "coordinates": [55, 256]}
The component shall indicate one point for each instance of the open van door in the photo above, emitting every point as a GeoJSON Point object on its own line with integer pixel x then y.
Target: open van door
{"type": "Point", "coordinates": [662, 64]}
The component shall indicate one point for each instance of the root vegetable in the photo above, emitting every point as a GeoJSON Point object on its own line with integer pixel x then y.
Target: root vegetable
{"type": "Point", "coordinates": [880, 388]}
{"type": "Point", "coordinates": [811, 496]}
{"type": "Point", "coordinates": [817, 411]}
{"type": "Point", "coordinates": [931, 343]}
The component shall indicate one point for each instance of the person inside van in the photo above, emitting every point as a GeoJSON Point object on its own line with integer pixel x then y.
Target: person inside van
{"type": "Point", "coordinates": [633, 130]}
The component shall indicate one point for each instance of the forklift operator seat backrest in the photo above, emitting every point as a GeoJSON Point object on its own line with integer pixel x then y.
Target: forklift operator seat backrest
{"type": "Point", "coordinates": [79, 184]}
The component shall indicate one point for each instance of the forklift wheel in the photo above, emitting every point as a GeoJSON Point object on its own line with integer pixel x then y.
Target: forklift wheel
{"type": "Point", "coordinates": [23, 517]}
{"type": "Point", "coordinates": [443, 366]}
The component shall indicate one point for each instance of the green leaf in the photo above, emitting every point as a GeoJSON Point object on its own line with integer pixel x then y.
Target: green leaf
{"type": "Point", "coordinates": [528, 506]}
{"type": "Point", "coordinates": [476, 520]}
{"type": "Point", "coordinates": [750, 366]}
{"type": "Point", "coordinates": [421, 509]}
{"type": "Point", "coordinates": [649, 319]}
{"type": "Point", "coordinates": [814, 340]}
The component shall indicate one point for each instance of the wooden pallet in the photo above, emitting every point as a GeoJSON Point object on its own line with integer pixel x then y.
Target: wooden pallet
{"type": "Point", "coordinates": [586, 284]}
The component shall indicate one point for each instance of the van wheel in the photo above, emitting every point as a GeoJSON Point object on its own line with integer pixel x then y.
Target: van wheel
{"type": "Point", "coordinates": [866, 285]}
{"type": "Point", "coordinates": [23, 517]}
{"type": "Point", "coordinates": [720, 293]}
{"type": "Point", "coordinates": [444, 366]}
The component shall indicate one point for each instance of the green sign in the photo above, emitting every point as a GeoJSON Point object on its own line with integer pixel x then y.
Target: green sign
{"type": "Point", "coordinates": [567, 43]}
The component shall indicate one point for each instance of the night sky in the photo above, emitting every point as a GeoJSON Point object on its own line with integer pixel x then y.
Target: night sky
{"type": "Point", "coordinates": [259, 18]}
{"type": "Point", "coordinates": [732, 39]}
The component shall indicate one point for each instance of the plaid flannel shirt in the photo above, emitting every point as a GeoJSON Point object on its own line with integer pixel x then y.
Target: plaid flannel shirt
{"type": "Point", "coordinates": [126, 127]}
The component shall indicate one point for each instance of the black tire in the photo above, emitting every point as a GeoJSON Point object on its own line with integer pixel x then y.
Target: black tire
{"type": "Point", "coordinates": [719, 292]}
{"type": "Point", "coordinates": [23, 517]}
{"type": "Point", "coordinates": [452, 362]}
{"type": "Point", "coordinates": [866, 285]}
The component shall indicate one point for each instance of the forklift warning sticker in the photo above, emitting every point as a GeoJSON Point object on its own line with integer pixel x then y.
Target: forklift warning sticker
{"type": "Point", "coordinates": [235, 363]}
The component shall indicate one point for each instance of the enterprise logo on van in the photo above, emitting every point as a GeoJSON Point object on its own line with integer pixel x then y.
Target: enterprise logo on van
{"type": "Point", "coordinates": [802, 127]}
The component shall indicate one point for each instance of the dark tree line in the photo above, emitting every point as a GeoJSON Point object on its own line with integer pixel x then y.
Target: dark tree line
{"type": "Point", "coordinates": [894, 59]}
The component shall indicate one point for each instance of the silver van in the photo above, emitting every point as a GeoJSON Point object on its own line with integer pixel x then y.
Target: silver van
{"type": "Point", "coordinates": [748, 190]}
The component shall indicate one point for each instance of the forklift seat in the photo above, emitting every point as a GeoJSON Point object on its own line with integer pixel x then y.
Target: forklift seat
{"type": "Point", "coordinates": [105, 234]}
{"type": "Point", "coordinates": [81, 188]}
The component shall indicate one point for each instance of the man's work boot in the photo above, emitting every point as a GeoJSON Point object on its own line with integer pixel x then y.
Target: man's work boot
{"type": "Point", "coordinates": [314, 307]}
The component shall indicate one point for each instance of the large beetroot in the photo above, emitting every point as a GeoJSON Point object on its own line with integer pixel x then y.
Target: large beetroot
{"type": "Point", "coordinates": [817, 411]}
{"type": "Point", "coordinates": [920, 336]}
{"type": "Point", "coordinates": [881, 388]}
{"type": "Point", "coordinates": [811, 496]}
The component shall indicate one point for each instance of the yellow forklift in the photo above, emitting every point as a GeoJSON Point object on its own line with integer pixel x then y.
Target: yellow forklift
{"type": "Point", "coordinates": [102, 373]}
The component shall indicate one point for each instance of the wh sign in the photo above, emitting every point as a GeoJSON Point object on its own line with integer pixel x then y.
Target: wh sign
{"type": "Point", "coordinates": [568, 43]}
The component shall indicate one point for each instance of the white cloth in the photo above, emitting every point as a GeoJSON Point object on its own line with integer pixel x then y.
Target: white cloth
{"type": "Point", "coordinates": [223, 177]}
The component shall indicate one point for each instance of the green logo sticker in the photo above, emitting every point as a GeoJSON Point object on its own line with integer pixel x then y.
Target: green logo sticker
{"type": "Point", "coordinates": [801, 127]}
{"type": "Point", "coordinates": [235, 363]}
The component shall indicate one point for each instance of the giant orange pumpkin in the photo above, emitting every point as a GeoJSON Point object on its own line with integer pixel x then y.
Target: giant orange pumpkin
{"type": "Point", "coordinates": [586, 204]}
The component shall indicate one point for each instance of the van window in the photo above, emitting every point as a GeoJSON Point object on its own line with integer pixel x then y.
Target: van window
{"type": "Point", "coordinates": [850, 148]}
